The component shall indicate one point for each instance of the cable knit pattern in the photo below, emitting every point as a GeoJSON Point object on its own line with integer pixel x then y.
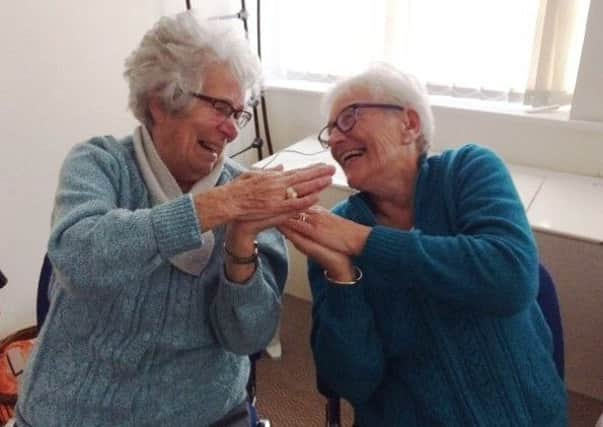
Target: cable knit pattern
{"type": "Point", "coordinates": [130, 340]}
{"type": "Point", "coordinates": [444, 328]}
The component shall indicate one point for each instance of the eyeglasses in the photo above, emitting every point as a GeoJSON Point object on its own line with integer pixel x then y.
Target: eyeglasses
{"type": "Point", "coordinates": [225, 108]}
{"type": "Point", "coordinates": [346, 120]}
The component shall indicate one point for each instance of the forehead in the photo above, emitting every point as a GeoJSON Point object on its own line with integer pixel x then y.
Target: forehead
{"type": "Point", "coordinates": [350, 96]}
{"type": "Point", "coordinates": [220, 82]}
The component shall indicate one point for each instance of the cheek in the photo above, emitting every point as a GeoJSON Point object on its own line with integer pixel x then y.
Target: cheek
{"type": "Point", "coordinates": [385, 144]}
{"type": "Point", "coordinates": [199, 121]}
{"type": "Point", "coordinates": [204, 129]}
{"type": "Point", "coordinates": [380, 136]}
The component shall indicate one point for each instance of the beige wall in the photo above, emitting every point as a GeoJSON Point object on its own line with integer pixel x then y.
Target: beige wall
{"type": "Point", "coordinates": [577, 269]}
{"type": "Point", "coordinates": [60, 83]}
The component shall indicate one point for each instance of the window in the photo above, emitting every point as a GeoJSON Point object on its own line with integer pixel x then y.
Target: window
{"type": "Point", "coordinates": [512, 50]}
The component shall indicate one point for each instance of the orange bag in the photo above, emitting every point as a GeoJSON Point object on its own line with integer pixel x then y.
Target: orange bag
{"type": "Point", "coordinates": [14, 352]}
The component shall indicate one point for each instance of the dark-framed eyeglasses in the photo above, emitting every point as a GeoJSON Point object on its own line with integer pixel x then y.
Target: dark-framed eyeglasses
{"type": "Point", "coordinates": [225, 108]}
{"type": "Point", "coordinates": [347, 118]}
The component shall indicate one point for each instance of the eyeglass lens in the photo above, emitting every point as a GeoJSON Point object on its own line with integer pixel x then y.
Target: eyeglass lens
{"type": "Point", "coordinates": [344, 121]}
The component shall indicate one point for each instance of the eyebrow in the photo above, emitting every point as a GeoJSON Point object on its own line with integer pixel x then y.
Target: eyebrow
{"type": "Point", "coordinates": [341, 111]}
{"type": "Point", "coordinates": [231, 103]}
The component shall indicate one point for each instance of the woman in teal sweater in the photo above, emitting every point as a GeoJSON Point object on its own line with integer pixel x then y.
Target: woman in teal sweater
{"type": "Point", "coordinates": [425, 282]}
{"type": "Point", "coordinates": [168, 271]}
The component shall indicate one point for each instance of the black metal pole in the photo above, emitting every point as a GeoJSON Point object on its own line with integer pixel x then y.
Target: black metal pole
{"type": "Point", "coordinates": [262, 99]}
{"type": "Point", "coordinates": [244, 17]}
{"type": "Point", "coordinates": [266, 129]}
{"type": "Point", "coordinates": [257, 142]}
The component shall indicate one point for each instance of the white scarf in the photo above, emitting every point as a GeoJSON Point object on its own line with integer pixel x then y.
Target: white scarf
{"type": "Point", "coordinates": [163, 187]}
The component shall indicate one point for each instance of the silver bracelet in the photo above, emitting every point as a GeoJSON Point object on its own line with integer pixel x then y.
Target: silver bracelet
{"type": "Point", "coordinates": [352, 282]}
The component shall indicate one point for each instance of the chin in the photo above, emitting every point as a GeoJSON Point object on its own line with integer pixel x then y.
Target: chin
{"type": "Point", "coordinates": [354, 182]}
{"type": "Point", "coordinates": [363, 182]}
{"type": "Point", "coordinates": [207, 166]}
{"type": "Point", "coordinates": [200, 173]}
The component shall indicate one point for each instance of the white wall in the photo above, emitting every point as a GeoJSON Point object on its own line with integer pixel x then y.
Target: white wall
{"type": "Point", "coordinates": [60, 83]}
{"type": "Point", "coordinates": [589, 91]}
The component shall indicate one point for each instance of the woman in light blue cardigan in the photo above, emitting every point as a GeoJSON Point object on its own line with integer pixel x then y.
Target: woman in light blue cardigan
{"type": "Point", "coordinates": [167, 269]}
{"type": "Point", "coordinates": [425, 282]}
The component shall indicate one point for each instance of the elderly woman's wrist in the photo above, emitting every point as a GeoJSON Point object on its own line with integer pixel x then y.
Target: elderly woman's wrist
{"type": "Point", "coordinates": [241, 254]}
{"type": "Point", "coordinates": [239, 259]}
{"type": "Point", "coordinates": [341, 272]}
{"type": "Point", "coordinates": [359, 239]}
{"type": "Point", "coordinates": [239, 238]}
{"type": "Point", "coordinates": [345, 279]}
{"type": "Point", "coordinates": [241, 230]}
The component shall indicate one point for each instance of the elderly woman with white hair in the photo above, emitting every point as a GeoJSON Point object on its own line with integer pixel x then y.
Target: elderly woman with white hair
{"type": "Point", "coordinates": [424, 283]}
{"type": "Point", "coordinates": [168, 270]}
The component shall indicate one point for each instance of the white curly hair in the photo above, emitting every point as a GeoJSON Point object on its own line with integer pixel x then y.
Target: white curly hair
{"type": "Point", "coordinates": [171, 59]}
{"type": "Point", "coordinates": [387, 84]}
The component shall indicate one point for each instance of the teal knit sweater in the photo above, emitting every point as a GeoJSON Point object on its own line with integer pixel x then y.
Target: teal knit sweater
{"type": "Point", "coordinates": [444, 328]}
{"type": "Point", "coordinates": [130, 340]}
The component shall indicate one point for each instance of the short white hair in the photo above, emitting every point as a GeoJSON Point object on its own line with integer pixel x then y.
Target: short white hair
{"type": "Point", "coordinates": [172, 57]}
{"type": "Point", "coordinates": [387, 84]}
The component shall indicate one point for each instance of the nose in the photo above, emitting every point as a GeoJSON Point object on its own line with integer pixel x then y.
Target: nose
{"type": "Point", "coordinates": [229, 128]}
{"type": "Point", "coordinates": [335, 137]}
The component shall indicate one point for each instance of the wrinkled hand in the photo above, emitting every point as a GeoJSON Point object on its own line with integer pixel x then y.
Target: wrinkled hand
{"type": "Point", "coordinates": [339, 265]}
{"type": "Point", "coordinates": [331, 231]}
{"type": "Point", "coordinates": [259, 198]}
{"type": "Point", "coordinates": [261, 195]}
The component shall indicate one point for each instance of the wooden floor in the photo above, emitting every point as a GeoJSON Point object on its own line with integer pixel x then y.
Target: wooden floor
{"type": "Point", "coordinates": [287, 393]}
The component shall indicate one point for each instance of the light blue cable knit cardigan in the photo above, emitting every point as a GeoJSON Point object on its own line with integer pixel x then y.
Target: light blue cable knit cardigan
{"type": "Point", "coordinates": [130, 340]}
{"type": "Point", "coordinates": [444, 328]}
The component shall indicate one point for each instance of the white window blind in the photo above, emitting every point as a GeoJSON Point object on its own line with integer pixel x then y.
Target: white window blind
{"type": "Point", "coordinates": [512, 50]}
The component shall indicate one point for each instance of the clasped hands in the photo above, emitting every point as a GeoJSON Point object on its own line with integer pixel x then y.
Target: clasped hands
{"type": "Point", "coordinates": [258, 200]}
{"type": "Point", "coordinates": [287, 200]}
{"type": "Point", "coordinates": [328, 239]}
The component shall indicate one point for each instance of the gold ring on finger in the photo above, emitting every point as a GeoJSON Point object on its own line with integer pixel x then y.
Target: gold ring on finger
{"type": "Point", "coordinates": [302, 216]}
{"type": "Point", "coordinates": [291, 193]}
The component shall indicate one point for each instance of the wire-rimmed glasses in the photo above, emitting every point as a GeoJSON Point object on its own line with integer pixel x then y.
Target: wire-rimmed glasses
{"type": "Point", "coordinates": [347, 118]}
{"type": "Point", "coordinates": [225, 108]}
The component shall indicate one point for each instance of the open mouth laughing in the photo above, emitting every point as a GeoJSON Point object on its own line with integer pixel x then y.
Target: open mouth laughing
{"type": "Point", "coordinates": [212, 148]}
{"type": "Point", "coordinates": [348, 156]}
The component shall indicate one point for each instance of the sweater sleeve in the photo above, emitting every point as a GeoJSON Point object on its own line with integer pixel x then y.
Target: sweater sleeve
{"type": "Point", "coordinates": [96, 245]}
{"type": "Point", "coordinates": [345, 341]}
{"type": "Point", "coordinates": [488, 264]}
{"type": "Point", "coordinates": [245, 316]}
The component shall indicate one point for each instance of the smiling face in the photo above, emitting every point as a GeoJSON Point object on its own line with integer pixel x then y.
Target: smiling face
{"type": "Point", "coordinates": [380, 152]}
{"type": "Point", "coordinates": [190, 142]}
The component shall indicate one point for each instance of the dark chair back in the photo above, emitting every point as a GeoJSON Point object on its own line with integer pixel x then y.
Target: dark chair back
{"type": "Point", "coordinates": [549, 304]}
{"type": "Point", "coordinates": [3, 280]}
{"type": "Point", "coordinates": [42, 301]}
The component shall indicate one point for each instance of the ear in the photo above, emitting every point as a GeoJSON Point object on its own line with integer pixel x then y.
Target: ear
{"type": "Point", "coordinates": [412, 124]}
{"type": "Point", "coordinates": [158, 113]}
